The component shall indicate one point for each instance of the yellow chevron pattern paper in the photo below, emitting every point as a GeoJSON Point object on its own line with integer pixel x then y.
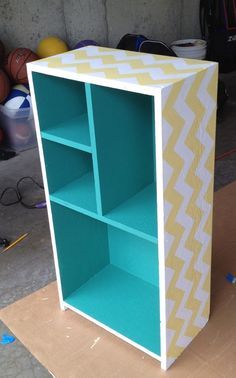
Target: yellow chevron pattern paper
{"type": "Point", "coordinates": [189, 111]}
{"type": "Point", "coordinates": [124, 66]}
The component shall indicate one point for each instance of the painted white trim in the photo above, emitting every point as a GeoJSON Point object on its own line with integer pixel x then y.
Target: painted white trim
{"type": "Point", "coordinates": [42, 161]}
{"type": "Point", "coordinates": [154, 355]}
{"type": "Point", "coordinates": [160, 223]}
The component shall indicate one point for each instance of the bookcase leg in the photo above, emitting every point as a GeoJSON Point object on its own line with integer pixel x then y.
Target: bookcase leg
{"type": "Point", "coordinates": [63, 307]}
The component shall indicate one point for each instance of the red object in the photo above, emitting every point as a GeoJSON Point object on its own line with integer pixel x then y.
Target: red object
{"type": "Point", "coordinates": [228, 153]}
{"type": "Point", "coordinates": [1, 136]}
{"type": "Point", "coordinates": [4, 86]}
{"type": "Point", "coordinates": [22, 133]}
{"type": "Point", "coordinates": [15, 64]}
{"type": "Point", "coordinates": [2, 53]}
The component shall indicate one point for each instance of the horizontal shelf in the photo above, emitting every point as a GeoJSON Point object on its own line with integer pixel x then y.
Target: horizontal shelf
{"type": "Point", "coordinates": [123, 302]}
{"type": "Point", "coordinates": [78, 194]}
{"type": "Point", "coordinates": [73, 133]}
{"type": "Point", "coordinates": [138, 212]}
{"type": "Point", "coordinates": [133, 227]}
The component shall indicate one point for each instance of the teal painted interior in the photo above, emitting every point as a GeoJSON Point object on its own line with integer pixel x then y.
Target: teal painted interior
{"type": "Point", "coordinates": [124, 140]}
{"type": "Point", "coordinates": [90, 210]}
{"type": "Point", "coordinates": [138, 212]}
{"type": "Point", "coordinates": [94, 147]}
{"type": "Point", "coordinates": [70, 174]}
{"type": "Point", "coordinates": [62, 108]}
{"type": "Point", "coordinates": [82, 247]}
{"type": "Point", "coordinates": [78, 194]}
{"type": "Point", "coordinates": [133, 255]}
{"type": "Point", "coordinates": [99, 148]}
{"type": "Point", "coordinates": [110, 275]}
{"type": "Point", "coordinates": [73, 133]}
{"type": "Point", "coordinates": [124, 303]}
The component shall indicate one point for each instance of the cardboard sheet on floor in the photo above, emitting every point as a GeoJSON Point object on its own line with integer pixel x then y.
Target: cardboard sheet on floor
{"type": "Point", "coordinates": [70, 346]}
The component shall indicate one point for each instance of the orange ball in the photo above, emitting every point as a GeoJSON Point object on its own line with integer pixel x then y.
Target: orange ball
{"type": "Point", "coordinates": [15, 64]}
{"type": "Point", "coordinates": [4, 86]}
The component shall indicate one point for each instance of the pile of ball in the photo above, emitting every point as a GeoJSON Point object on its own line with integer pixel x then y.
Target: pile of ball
{"type": "Point", "coordinates": [13, 66]}
{"type": "Point", "coordinates": [14, 89]}
{"type": "Point", "coordinates": [13, 71]}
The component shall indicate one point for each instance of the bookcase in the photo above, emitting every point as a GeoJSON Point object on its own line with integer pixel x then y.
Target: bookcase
{"type": "Point", "coordinates": [126, 144]}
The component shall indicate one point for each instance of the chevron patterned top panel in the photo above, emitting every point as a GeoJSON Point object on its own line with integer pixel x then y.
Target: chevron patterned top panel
{"type": "Point", "coordinates": [123, 66]}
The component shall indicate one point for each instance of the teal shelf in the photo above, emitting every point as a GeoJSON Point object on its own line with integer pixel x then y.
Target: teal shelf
{"type": "Point", "coordinates": [122, 302]}
{"type": "Point", "coordinates": [139, 226]}
{"type": "Point", "coordinates": [78, 194]}
{"type": "Point", "coordinates": [138, 212]}
{"type": "Point", "coordinates": [72, 133]}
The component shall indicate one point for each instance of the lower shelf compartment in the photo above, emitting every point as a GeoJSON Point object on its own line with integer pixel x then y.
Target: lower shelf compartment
{"type": "Point", "coordinates": [110, 275]}
{"type": "Point", "coordinates": [122, 302]}
{"type": "Point", "coordinates": [77, 194]}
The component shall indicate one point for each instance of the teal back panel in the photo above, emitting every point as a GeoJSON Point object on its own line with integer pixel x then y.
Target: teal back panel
{"type": "Point", "coordinates": [82, 247]}
{"type": "Point", "coordinates": [124, 136]}
{"type": "Point", "coordinates": [58, 99]}
{"type": "Point", "coordinates": [64, 164]}
{"type": "Point", "coordinates": [134, 255]}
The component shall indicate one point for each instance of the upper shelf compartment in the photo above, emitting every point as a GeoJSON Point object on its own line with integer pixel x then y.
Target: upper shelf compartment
{"type": "Point", "coordinates": [62, 111]}
{"type": "Point", "coordinates": [124, 132]}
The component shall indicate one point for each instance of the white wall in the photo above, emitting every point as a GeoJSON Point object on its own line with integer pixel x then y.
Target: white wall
{"type": "Point", "coordinates": [25, 22]}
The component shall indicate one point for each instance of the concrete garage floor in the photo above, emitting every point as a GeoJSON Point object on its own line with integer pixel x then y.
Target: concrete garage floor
{"type": "Point", "coordinates": [29, 265]}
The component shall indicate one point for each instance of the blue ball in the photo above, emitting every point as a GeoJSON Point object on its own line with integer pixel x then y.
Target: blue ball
{"type": "Point", "coordinates": [84, 43]}
{"type": "Point", "coordinates": [18, 98]}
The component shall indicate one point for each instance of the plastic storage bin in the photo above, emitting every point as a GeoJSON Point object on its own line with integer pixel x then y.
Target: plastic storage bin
{"type": "Point", "coordinates": [18, 128]}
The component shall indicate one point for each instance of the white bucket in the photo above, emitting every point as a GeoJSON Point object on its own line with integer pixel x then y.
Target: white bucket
{"type": "Point", "coordinates": [190, 48]}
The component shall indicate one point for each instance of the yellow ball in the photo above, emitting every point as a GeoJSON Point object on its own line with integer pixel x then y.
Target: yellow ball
{"type": "Point", "coordinates": [51, 46]}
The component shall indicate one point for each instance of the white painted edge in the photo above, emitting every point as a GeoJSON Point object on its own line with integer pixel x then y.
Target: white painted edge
{"type": "Point", "coordinates": [126, 339]}
{"type": "Point", "coordinates": [91, 79]}
{"type": "Point", "coordinates": [160, 224]}
{"type": "Point", "coordinates": [42, 161]}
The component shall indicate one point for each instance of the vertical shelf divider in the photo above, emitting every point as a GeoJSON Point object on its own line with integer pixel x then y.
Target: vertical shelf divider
{"type": "Point", "coordinates": [93, 147]}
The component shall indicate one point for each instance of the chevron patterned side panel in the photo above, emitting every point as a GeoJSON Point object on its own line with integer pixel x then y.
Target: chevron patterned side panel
{"type": "Point", "coordinates": [125, 66]}
{"type": "Point", "coordinates": [189, 113]}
